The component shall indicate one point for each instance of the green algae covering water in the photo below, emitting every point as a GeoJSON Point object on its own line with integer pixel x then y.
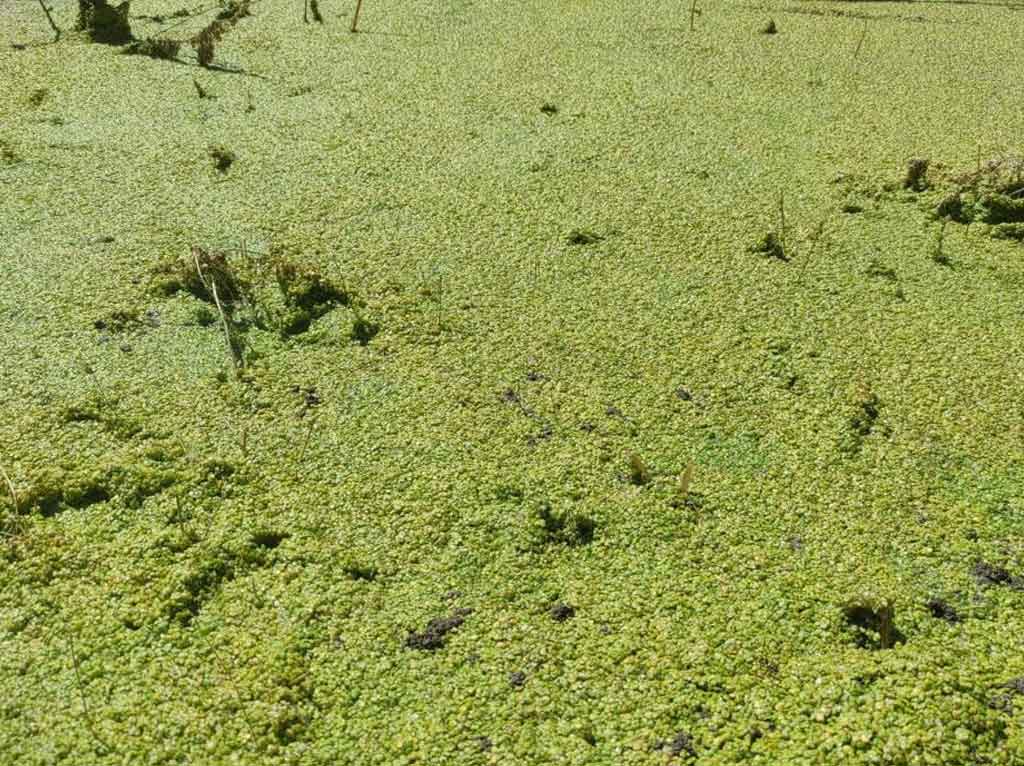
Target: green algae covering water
{"type": "Point", "coordinates": [513, 383]}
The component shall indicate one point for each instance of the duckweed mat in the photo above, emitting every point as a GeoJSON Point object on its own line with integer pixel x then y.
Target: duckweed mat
{"type": "Point", "coordinates": [571, 382]}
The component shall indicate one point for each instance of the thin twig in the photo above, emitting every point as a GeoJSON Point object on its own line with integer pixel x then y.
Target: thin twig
{"type": "Point", "coordinates": [238, 696]}
{"type": "Point", "coordinates": [10, 486]}
{"type": "Point", "coordinates": [90, 724]}
{"type": "Point", "coordinates": [309, 433]}
{"type": "Point", "coordinates": [15, 526]}
{"type": "Point", "coordinates": [860, 41]}
{"type": "Point", "coordinates": [782, 224]}
{"type": "Point", "coordinates": [211, 286]}
{"type": "Point", "coordinates": [355, 16]}
{"type": "Point", "coordinates": [53, 26]}
{"type": "Point", "coordinates": [693, 13]}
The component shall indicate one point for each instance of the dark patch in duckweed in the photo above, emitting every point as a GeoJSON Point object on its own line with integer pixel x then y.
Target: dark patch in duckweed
{"type": "Point", "coordinates": [941, 610]}
{"type": "Point", "coordinates": [199, 586]}
{"type": "Point", "coordinates": [433, 636]}
{"type": "Point", "coordinates": [562, 612]}
{"type": "Point", "coordinates": [105, 23]}
{"type": "Point", "coordinates": [356, 571]}
{"type": "Point", "coordinates": [363, 331]}
{"type": "Point", "coordinates": [268, 539]}
{"type": "Point", "coordinates": [987, 574]}
{"type": "Point", "coordinates": [155, 48]}
{"type": "Point", "coordinates": [916, 176]}
{"type": "Point", "coordinates": [517, 679]}
{"type": "Point", "coordinates": [1004, 701]}
{"type": "Point", "coordinates": [583, 237]}
{"type": "Point", "coordinates": [308, 295]}
{"type": "Point", "coordinates": [118, 320]}
{"type": "Point", "coordinates": [545, 433]}
{"type": "Point", "coordinates": [484, 744]}
{"type": "Point", "coordinates": [770, 246]}
{"type": "Point", "coordinates": [877, 270]}
{"type": "Point", "coordinates": [683, 394]}
{"type": "Point", "coordinates": [873, 625]}
{"type": "Point", "coordinates": [564, 528]}
{"type": "Point", "coordinates": [680, 744]}
{"type": "Point", "coordinates": [549, 109]}
{"type": "Point", "coordinates": [222, 157]}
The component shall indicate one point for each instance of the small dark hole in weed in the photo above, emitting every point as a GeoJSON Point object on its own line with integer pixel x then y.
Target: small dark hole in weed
{"type": "Point", "coordinates": [873, 625]}
{"type": "Point", "coordinates": [268, 539]}
{"type": "Point", "coordinates": [684, 394]}
{"type": "Point", "coordinates": [876, 269]}
{"type": "Point", "coordinates": [204, 316]}
{"type": "Point", "coordinates": [562, 612]}
{"type": "Point", "coordinates": [990, 574]}
{"type": "Point", "coordinates": [549, 109]}
{"type": "Point", "coordinates": [770, 28]}
{"type": "Point", "coordinates": [583, 237]}
{"type": "Point", "coordinates": [565, 528]}
{"type": "Point", "coordinates": [681, 743]}
{"type": "Point", "coordinates": [360, 572]}
{"type": "Point", "coordinates": [639, 475]}
{"type": "Point", "coordinates": [517, 679]}
{"type": "Point", "coordinates": [941, 610]}
{"type": "Point", "coordinates": [484, 743]}
{"type": "Point", "coordinates": [363, 331]}
{"type": "Point", "coordinates": [38, 96]}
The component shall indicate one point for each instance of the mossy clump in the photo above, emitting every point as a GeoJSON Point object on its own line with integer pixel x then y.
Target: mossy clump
{"type": "Point", "coordinates": [53, 490]}
{"type": "Point", "coordinates": [770, 28]}
{"type": "Point", "coordinates": [105, 23]}
{"type": "Point", "coordinates": [872, 623]}
{"type": "Point", "coordinates": [363, 331]}
{"type": "Point", "coordinates": [916, 176]}
{"type": "Point", "coordinates": [118, 321]}
{"type": "Point", "coordinates": [433, 636]}
{"type": "Point", "coordinates": [7, 154]}
{"type": "Point", "coordinates": [234, 10]}
{"type": "Point", "coordinates": [1014, 231]}
{"type": "Point", "coordinates": [864, 412]}
{"type": "Point", "coordinates": [307, 294]}
{"type": "Point", "coordinates": [770, 246]}
{"type": "Point", "coordinates": [200, 272]}
{"type": "Point", "coordinates": [155, 48]}
{"type": "Point", "coordinates": [205, 575]}
{"type": "Point", "coordinates": [223, 158]}
{"type": "Point", "coordinates": [550, 527]}
{"type": "Point", "coordinates": [992, 194]}
{"type": "Point", "coordinates": [205, 41]}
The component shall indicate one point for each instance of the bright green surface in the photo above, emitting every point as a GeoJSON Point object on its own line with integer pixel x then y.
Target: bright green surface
{"type": "Point", "coordinates": [413, 164]}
